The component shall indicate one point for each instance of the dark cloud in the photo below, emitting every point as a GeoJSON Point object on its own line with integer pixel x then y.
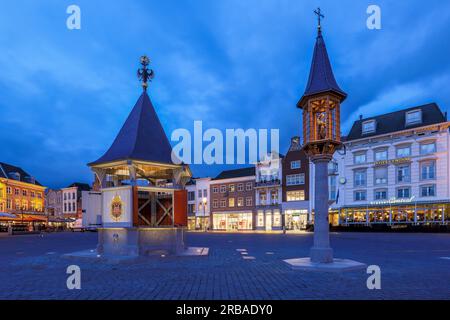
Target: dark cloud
{"type": "Point", "coordinates": [232, 64]}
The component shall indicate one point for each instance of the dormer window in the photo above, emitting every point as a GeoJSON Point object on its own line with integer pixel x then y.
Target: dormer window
{"type": "Point", "coordinates": [413, 117]}
{"type": "Point", "coordinates": [368, 127]}
{"type": "Point", "coordinates": [14, 176]}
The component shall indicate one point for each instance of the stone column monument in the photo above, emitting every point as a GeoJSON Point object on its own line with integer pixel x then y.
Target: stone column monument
{"type": "Point", "coordinates": [321, 137]}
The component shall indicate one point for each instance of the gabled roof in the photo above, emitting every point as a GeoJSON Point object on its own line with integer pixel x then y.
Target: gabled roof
{"type": "Point", "coordinates": [270, 156]}
{"type": "Point", "coordinates": [236, 173]}
{"type": "Point", "coordinates": [396, 121]}
{"type": "Point", "coordinates": [141, 138]}
{"type": "Point", "coordinates": [321, 77]}
{"type": "Point", "coordinates": [191, 182]}
{"type": "Point", "coordinates": [7, 169]}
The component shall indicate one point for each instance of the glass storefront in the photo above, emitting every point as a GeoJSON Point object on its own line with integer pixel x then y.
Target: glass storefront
{"type": "Point", "coordinates": [378, 215]}
{"type": "Point", "coordinates": [191, 223]}
{"type": "Point", "coordinates": [260, 219]}
{"type": "Point", "coordinates": [233, 221]}
{"type": "Point", "coordinates": [296, 219]}
{"type": "Point", "coordinates": [277, 218]}
{"type": "Point", "coordinates": [432, 214]}
{"type": "Point", "coordinates": [269, 219]}
{"type": "Point", "coordinates": [408, 214]}
{"type": "Point", "coordinates": [202, 223]}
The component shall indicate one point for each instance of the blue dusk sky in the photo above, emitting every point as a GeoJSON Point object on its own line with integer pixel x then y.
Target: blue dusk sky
{"type": "Point", "coordinates": [64, 94]}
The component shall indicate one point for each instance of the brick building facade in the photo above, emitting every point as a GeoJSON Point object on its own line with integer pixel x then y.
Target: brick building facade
{"type": "Point", "coordinates": [21, 197]}
{"type": "Point", "coordinates": [232, 197]}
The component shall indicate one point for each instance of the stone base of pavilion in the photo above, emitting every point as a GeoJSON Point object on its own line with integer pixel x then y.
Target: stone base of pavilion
{"type": "Point", "coordinates": [338, 265]}
{"type": "Point", "coordinates": [119, 245]}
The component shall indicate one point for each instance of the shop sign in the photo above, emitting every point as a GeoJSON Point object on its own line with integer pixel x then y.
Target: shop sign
{"type": "Point", "coordinates": [393, 201]}
{"type": "Point", "coordinates": [393, 161]}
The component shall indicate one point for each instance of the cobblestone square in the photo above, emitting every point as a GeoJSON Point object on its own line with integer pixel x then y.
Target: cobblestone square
{"type": "Point", "coordinates": [239, 266]}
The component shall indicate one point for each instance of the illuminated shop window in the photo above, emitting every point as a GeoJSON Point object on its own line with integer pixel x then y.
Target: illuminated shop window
{"type": "Point", "coordinates": [276, 218]}
{"type": "Point", "coordinates": [260, 219]}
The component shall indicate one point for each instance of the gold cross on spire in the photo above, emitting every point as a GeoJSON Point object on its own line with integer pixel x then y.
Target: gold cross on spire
{"type": "Point", "coordinates": [319, 14]}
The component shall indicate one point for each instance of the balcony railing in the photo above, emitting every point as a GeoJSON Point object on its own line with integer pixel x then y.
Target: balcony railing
{"type": "Point", "coordinates": [268, 183]}
{"type": "Point", "coordinates": [268, 204]}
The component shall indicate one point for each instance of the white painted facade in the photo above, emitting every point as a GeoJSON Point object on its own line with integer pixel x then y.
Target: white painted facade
{"type": "Point", "coordinates": [69, 201]}
{"type": "Point", "coordinates": [199, 203]}
{"type": "Point", "coordinates": [268, 192]}
{"type": "Point", "coordinates": [366, 182]}
{"type": "Point", "coordinates": [268, 181]}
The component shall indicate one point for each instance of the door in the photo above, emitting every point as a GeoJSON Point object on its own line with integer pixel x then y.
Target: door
{"type": "Point", "coordinates": [232, 223]}
{"type": "Point", "coordinates": [303, 220]}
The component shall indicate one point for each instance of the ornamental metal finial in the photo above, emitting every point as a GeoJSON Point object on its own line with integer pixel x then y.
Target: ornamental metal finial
{"type": "Point", "coordinates": [319, 14]}
{"type": "Point", "coordinates": [144, 73]}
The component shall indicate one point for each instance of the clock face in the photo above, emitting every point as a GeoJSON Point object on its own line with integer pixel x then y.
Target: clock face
{"type": "Point", "coordinates": [342, 180]}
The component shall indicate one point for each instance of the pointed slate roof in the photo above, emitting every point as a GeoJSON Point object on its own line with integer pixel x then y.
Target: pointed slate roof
{"type": "Point", "coordinates": [7, 169]}
{"type": "Point", "coordinates": [141, 138]}
{"type": "Point", "coordinates": [321, 77]}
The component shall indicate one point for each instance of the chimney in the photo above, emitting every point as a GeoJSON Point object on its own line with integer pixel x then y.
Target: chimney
{"type": "Point", "coordinates": [360, 117]}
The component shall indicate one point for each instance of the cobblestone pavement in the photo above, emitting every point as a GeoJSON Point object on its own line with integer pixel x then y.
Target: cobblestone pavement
{"type": "Point", "coordinates": [412, 267]}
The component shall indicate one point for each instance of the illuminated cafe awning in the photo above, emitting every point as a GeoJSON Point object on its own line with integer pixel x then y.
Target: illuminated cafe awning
{"type": "Point", "coordinates": [7, 215]}
{"type": "Point", "coordinates": [61, 220]}
{"type": "Point", "coordinates": [388, 204]}
{"type": "Point", "coordinates": [34, 218]}
{"type": "Point", "coordinates": [25, 217]}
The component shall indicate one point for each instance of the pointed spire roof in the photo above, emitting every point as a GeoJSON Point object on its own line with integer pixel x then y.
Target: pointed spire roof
{"type": "Point", "coordinates": [141, 138]}
{"type": "Point", "coordinates": [321, 77]}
